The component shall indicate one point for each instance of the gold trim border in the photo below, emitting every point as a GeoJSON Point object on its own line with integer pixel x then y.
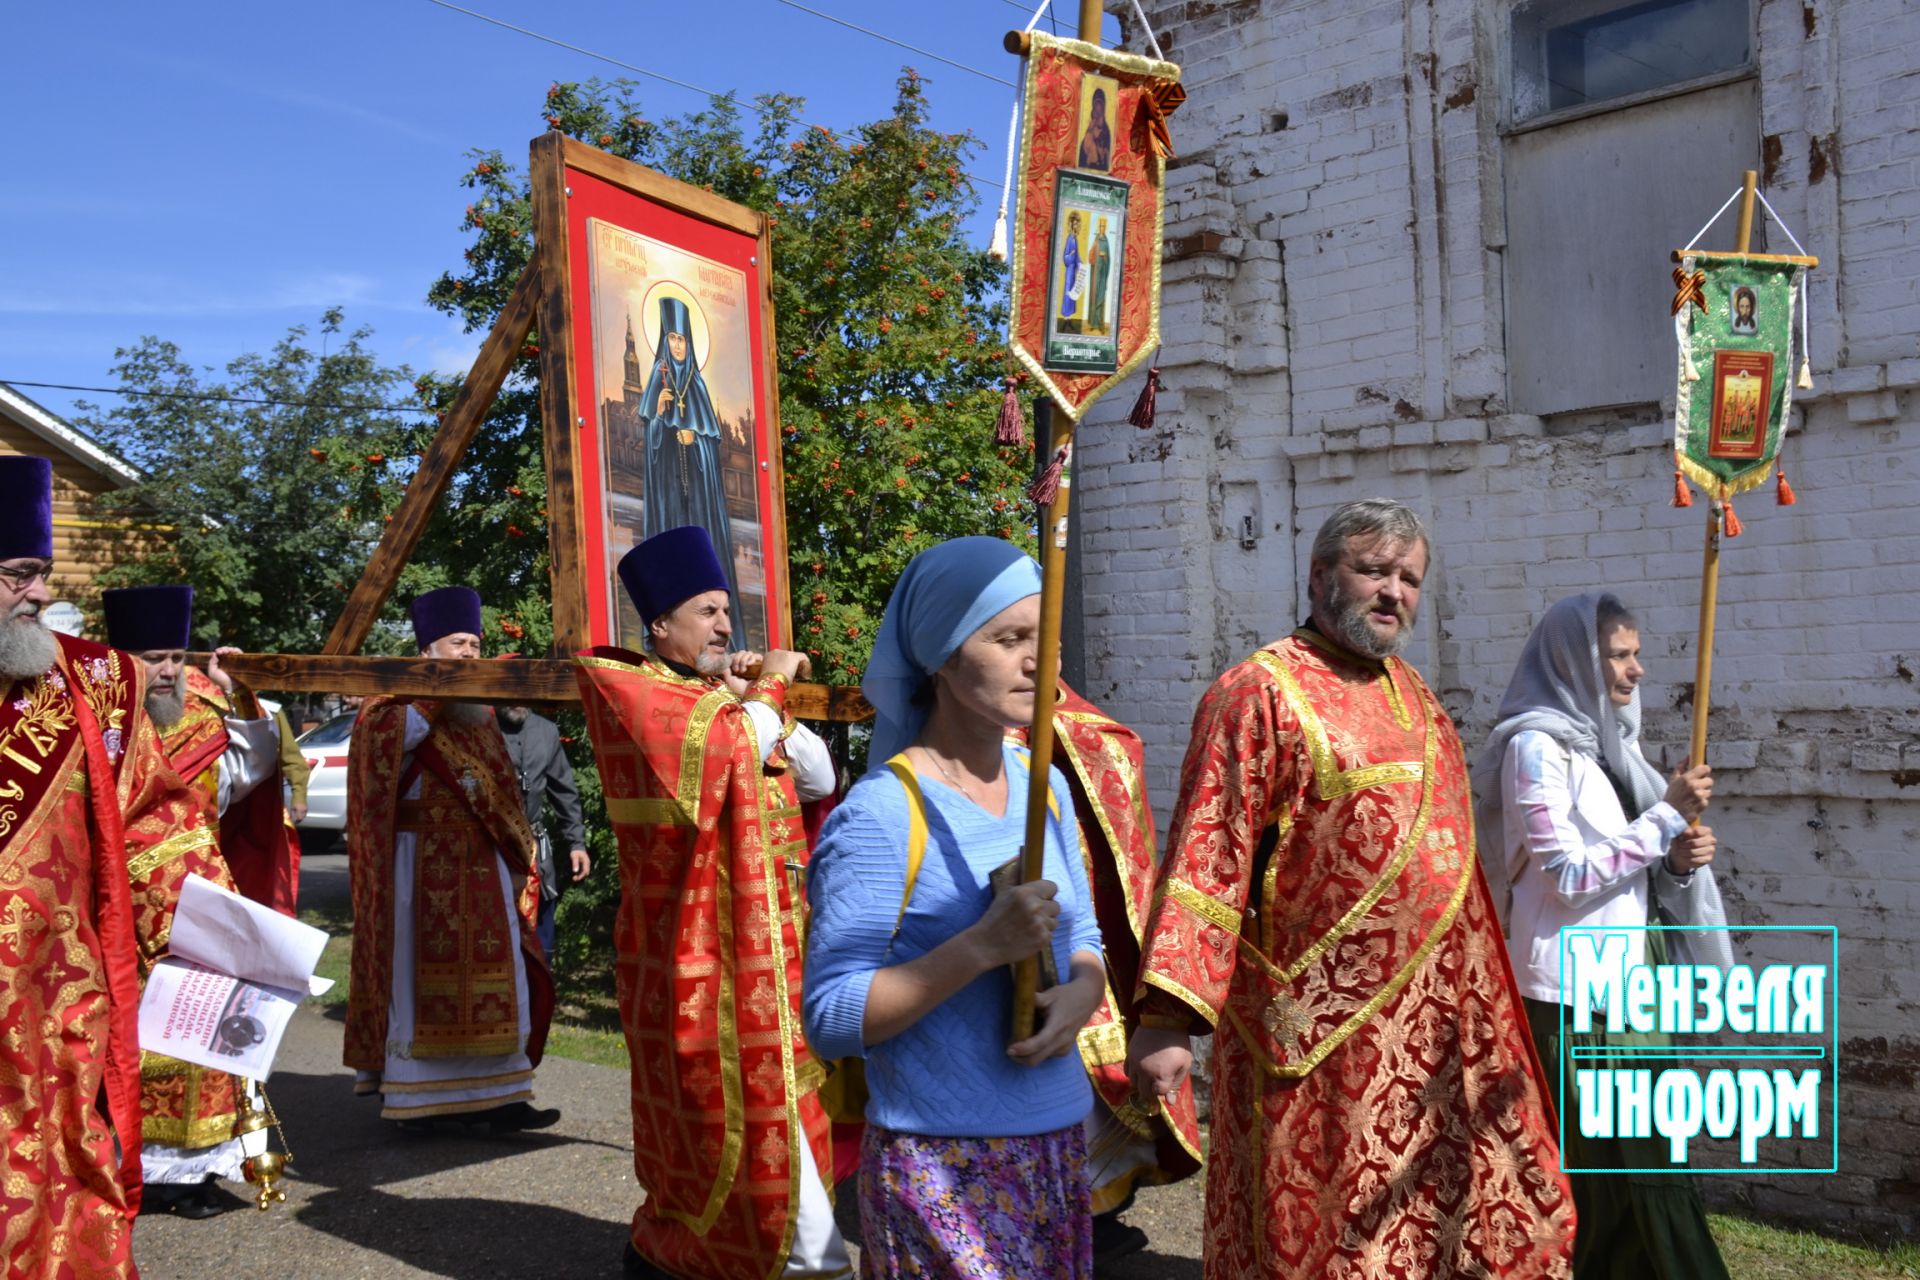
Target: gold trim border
{"type": "Point", "coordinates": [177, 845]}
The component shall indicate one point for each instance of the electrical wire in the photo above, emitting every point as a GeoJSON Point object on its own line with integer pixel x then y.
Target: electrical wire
{"type": "Point", "coordinates": [925, 53]}
{"type": "Point", "coordinates": [638, 70]}
{"type": "Point", "coordinates": [207, 395]}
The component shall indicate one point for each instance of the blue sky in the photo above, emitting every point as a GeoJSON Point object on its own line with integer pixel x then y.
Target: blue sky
{"type": "Point", "coordinates": [214, 178]}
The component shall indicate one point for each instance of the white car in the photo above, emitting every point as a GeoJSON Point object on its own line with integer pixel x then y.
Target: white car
{"type": "Point", "coordinates": [325, 747]}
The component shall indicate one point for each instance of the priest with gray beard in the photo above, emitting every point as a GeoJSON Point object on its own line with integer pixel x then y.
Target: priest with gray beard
{"type": "Point", "coordinates": [451, 995]}
{"type": "Point", "coordinates": [84, 791]}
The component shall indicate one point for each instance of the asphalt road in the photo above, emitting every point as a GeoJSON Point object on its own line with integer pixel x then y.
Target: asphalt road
{"type": "Point", "coordinates": [366, 1200]}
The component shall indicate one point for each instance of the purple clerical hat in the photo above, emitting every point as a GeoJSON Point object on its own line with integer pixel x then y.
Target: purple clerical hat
{"type": "Point", "coordinates": [140, 619]}
{"type": "Point", "coordinates": [671, 567]}
{"type": "Point", "coordinates": [445, 611]}
{"type": "Point", "coordinates": [26, 507]}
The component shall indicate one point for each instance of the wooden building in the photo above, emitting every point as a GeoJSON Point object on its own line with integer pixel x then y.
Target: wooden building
{"type": "Point", "coordinates": [86, 540]}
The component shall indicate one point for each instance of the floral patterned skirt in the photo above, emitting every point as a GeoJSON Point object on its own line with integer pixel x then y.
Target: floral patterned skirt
{"type": "Point", "coordinates": [975, 1208]}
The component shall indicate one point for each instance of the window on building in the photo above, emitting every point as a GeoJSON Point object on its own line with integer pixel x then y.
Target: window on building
{"type": "Point", "coordinates": [1576, 53]}
{"type": "Point", "coordinates": [1629, 124]}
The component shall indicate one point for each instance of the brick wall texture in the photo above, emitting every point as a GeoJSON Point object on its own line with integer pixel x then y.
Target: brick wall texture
{"type": "Point", "coordinates": [1334, 329]}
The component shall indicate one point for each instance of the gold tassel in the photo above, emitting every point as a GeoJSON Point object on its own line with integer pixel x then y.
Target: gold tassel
{"type": "Point", "coordinates": [1805, 382]}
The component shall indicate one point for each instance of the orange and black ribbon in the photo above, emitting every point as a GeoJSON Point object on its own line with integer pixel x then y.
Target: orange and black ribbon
{"type": "Point", "coordinates": [1689, 288]}
{"type": "Point", "coordinates": [1156, 104]}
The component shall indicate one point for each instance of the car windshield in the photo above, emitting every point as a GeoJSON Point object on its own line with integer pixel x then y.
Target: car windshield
{"type": "Point", "coordinates": [331, 734]}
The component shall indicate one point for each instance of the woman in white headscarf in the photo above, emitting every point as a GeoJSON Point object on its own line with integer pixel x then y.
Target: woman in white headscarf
{"type": "Point", "coordinates": [974, 1162]}
{"type": "Point", "coordinates": [1588, 833]}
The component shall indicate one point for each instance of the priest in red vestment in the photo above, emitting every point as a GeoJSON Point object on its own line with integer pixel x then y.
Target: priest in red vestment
{"type": "Point", "coordinates": [1377, 1106]}
{"type": "Point", "coordinates": [450, 999]}
{"type": "Point", "coordinates": [1129, 1144]}
{"type": "Point", "coordinates": [227, 750]}
{"type": "Point", "coordinates": [85, 792]}
{"type": "Point", "coordinates": [704, 773]}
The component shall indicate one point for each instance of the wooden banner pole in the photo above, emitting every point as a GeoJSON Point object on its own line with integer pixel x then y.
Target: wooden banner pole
{"type": "Point", "coordinates": [1046, 685]}
{"type": "Point", "coordinates": [1710, 564]}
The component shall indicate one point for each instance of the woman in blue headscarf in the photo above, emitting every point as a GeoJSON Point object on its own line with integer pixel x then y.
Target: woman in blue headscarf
{"type": "Point", "coordinates": [974, 1162]}
{"type": "Point", "coordinates": [683, 447]}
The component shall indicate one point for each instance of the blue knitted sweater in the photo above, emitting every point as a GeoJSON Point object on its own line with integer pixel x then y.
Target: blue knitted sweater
{"type": "Point", "coordinates": [948, 1075]}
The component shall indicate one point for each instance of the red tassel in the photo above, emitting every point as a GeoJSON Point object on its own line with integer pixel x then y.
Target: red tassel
{"type": "Point", "coordinates": [1682, 496]}
{"type": "Point", "coordinates": [1731, 526]}
{"type": "Point", "coordinates": [1009, 429]}
{"type": "Point", "coordinates": [1044, 490]}
{"type": "Point", "coordinates": [1142, 415]}
{"type": "Point", "coordinates": [1782, 491]}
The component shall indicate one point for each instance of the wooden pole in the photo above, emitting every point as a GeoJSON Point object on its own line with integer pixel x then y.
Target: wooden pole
{"type": "Point", "coordinates": [1046, 685]}
{"type": "Point", "coordinates": [1710, 563]}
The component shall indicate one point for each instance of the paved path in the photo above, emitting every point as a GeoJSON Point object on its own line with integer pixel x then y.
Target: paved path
{"type": "Point", "coordinates": [369, 1201]}
{"type": "Point", "coordinates": [366, 1200]}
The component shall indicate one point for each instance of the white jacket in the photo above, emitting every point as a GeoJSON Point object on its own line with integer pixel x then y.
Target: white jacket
{"type": "Point", "coordinates": [1572, 856]}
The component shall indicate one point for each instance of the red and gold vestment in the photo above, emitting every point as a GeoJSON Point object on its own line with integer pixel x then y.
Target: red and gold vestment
{"type": "Point", "coordinates": [1105, 766]}
{"type": "Point", "coordinates": [183, 1104]}
{"type": "Point", "coordinates": [257, 839]}
{"type": "Point", "coordinates": [85, 793]}
{"type": "Point", "coordinates": [1377, 1107]}
{"type": "Point", "coordinates": [467, 812]}
{"type": "Point", "coordinates": [709, 944]}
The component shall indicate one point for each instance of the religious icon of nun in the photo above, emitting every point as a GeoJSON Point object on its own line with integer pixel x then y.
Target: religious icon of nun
{"type": "Point", "coordinates": [683, 447]}
{"type": "Point", "coordinates": [1096, 144]}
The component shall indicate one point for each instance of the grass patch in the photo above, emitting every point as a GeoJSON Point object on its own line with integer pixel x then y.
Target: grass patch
{"type": "Point", "coordinates": [1758, 1251]}
{"type": "Point", "coordinates": [334, 961]}
{"type": "Point", "coordinates": [585, 1027]}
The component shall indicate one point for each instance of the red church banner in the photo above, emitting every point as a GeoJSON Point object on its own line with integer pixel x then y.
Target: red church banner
{"type": "Point", "coordinates": [1091, 190]}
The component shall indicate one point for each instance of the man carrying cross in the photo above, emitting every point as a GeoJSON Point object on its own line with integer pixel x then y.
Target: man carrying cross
{"type": "Point", "coordinates": [704, 775]}
{"type": "Point", "coordinates": [451, 997]}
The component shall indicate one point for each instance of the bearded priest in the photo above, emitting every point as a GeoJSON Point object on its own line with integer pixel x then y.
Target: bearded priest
{"type": "Point", "coordinates": [450, 997]}
{"type": "Point", "coordinates": [704, 774]}
{"type": "Point", "coordinates": [84, 790]}
{"type": "Point", "coordinates": [1377, 1105]}
{"type": "Point", "coordinates": [224, 756]}
{"type": "Point", "coordinates": [218, 736]}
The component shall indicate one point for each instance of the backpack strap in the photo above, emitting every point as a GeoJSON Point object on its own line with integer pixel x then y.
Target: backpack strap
{"type": "Point", "coordinates": [1026, 758]}
{"type": "Point", "coordinates": [916, 830]}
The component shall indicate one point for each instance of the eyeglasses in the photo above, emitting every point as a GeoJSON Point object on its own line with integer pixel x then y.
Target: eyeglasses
{"type": "Point", "coordinates": [20, 577]}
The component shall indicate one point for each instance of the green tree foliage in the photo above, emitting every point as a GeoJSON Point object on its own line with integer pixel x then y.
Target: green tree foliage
{"type": "Point", "coordinates": [269, 509]}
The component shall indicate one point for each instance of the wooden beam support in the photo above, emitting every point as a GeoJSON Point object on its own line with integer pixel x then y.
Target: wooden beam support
{"type": "Point", "coordinates": [506, 680]}
{"type": "Point", "coordinates": [429, 483]}
{"type": "Point", "coordinates": [559, 407]}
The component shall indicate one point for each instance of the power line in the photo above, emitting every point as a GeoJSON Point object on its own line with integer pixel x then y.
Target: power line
{"type": "Point", "coordinates": [925, 53]}
{"type": "Point", "coordinates": [207, 395]}
{"type": "Point", "coordinates": [638, 70]}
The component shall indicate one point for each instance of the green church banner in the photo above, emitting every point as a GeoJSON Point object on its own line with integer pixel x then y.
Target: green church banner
{"type": "Point", "coordinates": [1734, 320]}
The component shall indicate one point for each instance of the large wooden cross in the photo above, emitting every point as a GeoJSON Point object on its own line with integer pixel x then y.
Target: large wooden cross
{"type": "Point", "coordinates": [540, 297]}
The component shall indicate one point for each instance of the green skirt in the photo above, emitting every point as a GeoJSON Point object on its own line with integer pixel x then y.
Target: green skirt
{"type": "Point", "coordinates": [1631, 1225]}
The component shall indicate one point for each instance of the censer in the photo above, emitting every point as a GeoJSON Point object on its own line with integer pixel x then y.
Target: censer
{"type": "Point", "coordinates": [263, 1167]}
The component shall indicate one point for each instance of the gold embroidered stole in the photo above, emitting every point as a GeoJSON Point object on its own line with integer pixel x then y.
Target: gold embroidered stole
{"type": "Point", "coordinates": [1368, 869]}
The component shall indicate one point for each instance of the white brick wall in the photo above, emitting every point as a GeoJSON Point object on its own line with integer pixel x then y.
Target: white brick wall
{"type": "Point", "coordinates": [1333, 320]}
